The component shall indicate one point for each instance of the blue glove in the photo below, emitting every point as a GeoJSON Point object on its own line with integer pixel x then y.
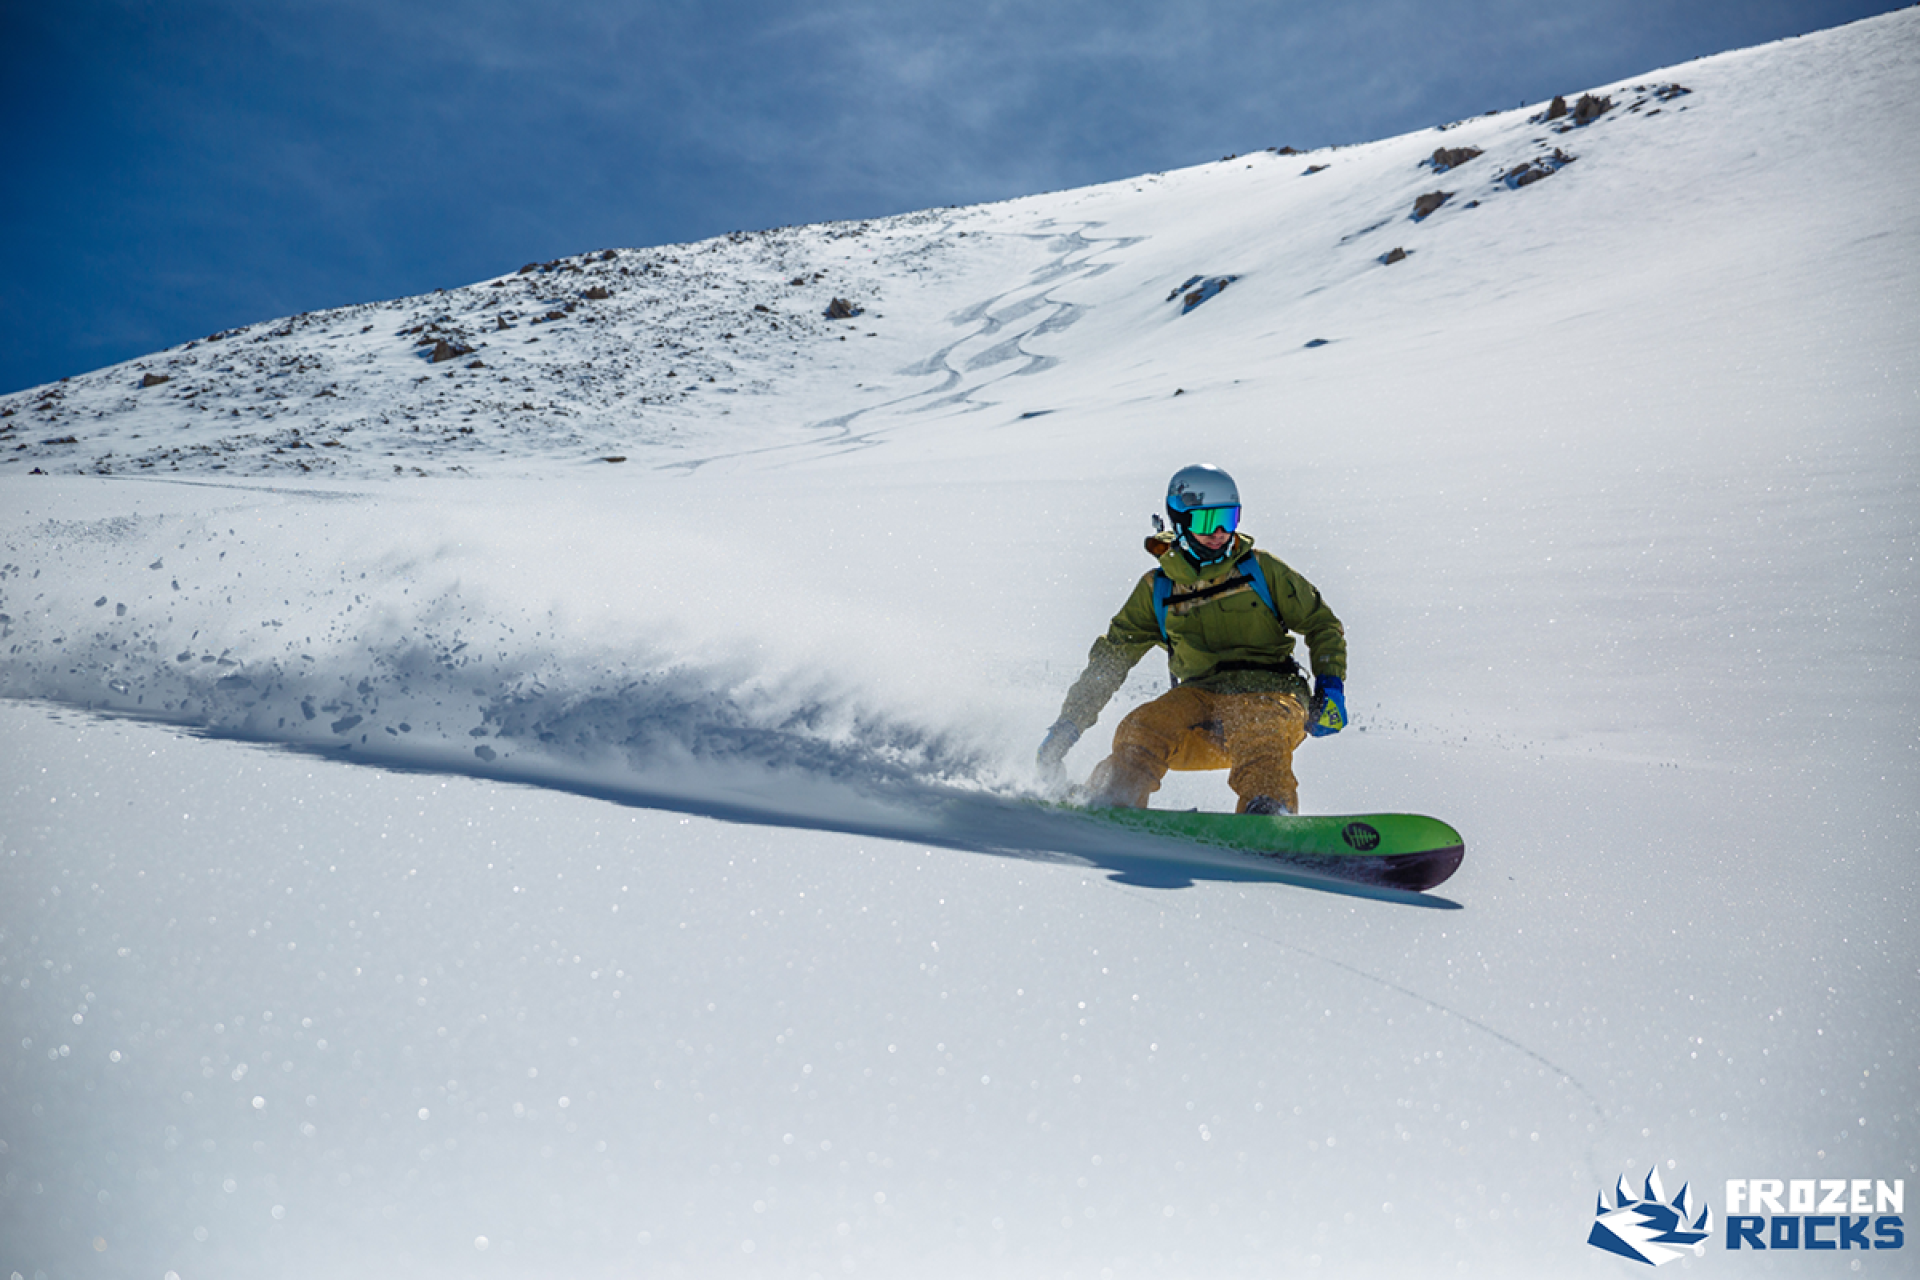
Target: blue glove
{"type": "Point", "coordinates": [1327, 713]}
{"type": "Point", "coordinates": [1059, 740]}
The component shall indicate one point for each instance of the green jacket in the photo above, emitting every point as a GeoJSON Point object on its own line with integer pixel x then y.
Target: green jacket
{"type": "Point", "coordinates": [1226, 639]}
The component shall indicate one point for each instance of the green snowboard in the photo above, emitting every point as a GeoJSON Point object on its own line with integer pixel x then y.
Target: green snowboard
{"type": "Point", "coordinates": [1393, 850]}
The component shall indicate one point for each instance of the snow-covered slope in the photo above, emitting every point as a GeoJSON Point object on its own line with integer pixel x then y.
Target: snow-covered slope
{"type": "Point", "coordinates": [1610, 472]}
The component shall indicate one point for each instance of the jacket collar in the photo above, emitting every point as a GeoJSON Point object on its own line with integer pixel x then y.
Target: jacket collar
{"type": "Point", "coordinates": [1164, 548]}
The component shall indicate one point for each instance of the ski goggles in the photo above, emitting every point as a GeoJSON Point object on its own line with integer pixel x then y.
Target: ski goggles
{"type": "Point", "coordinates": [1202, 521]}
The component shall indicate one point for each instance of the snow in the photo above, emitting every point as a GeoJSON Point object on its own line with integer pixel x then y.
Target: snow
{"type": "Point", "coordinates": [445, 852]}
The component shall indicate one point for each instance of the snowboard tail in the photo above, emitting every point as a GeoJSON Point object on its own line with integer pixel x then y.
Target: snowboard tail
{"type": "Point", "coordinates": [1392, 850]}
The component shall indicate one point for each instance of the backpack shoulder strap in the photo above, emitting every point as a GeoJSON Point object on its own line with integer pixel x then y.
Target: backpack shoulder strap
{"type": "Point", "coordinates": [1162, 592]}
{"type": "Point", "coordinates": [1257, 579]}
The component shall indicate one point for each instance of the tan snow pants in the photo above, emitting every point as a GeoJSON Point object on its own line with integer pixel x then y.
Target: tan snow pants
{"type": "Point", "coordinates": [1253, 735]}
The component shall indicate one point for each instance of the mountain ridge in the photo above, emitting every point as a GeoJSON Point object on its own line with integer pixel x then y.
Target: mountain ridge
{"type": "Point", "coordinates": [686, 352]}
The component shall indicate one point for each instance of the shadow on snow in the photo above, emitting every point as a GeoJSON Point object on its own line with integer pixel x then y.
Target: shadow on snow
{"type": "Point", "coordinates": [896, 808]}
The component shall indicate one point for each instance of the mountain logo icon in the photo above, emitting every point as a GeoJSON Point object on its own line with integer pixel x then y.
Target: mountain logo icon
{"type": "Point", "coordinates": [1650, 1228]}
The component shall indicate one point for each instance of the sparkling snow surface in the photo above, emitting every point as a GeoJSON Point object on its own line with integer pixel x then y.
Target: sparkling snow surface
{"type": "Point", "coordinates": [428, 848]}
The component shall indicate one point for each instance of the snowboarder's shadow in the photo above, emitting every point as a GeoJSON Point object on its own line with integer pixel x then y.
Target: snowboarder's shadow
{"type": "Point", "coordinates": [980, 822]}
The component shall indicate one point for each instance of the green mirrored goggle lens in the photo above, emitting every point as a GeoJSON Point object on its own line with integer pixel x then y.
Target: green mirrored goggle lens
{"type": "Point", "coordinates": [1202, 521]}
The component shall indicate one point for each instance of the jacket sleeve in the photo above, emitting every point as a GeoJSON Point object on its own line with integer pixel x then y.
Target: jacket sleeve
{"type": "Point", "coordinates": [1304, 611]}
{"type": "Point", "coordinates": [1132, 632]}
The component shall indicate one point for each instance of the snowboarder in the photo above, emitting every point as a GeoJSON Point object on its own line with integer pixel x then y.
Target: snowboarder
{"type": "Point", "coordinates": [1226, 615]}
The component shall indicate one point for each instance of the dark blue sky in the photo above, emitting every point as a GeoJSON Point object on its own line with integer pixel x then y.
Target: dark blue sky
{"type": "Point", "coordinates": [177, 167]}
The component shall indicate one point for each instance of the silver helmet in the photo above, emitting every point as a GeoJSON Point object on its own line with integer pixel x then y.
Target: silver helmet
{"type": "Point", "coordinates": [1203, 499]}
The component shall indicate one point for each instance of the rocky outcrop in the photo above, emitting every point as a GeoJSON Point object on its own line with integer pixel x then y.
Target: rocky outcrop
{"type": "Point", "coordinates": [1446, 158]}
{"type": "Point", "coordinates": [1590, 108]}
{"type": "Point", "coordinates": [1198, 289]}
{"type": "Point", "coordinates": [1524, 175]}
{"type": "Point", "coordinates": [1583, 113]}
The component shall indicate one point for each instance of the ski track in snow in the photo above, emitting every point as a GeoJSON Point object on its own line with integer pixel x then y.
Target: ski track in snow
{"type": "Point", "coordinates": [1427, 1001]}
{"type": "Point", "coordinates": [1028, 309]}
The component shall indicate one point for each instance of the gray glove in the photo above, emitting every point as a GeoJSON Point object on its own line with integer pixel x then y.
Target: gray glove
{"type": "Point", "coordinates": [1059, 740]}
